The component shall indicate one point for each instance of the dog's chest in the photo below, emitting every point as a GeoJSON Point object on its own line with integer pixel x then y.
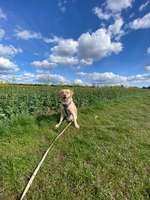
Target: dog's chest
{"type": "Point", "coordinates": [66, 109]}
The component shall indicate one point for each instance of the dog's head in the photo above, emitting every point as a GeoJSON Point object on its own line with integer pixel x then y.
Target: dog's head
{"type": "Point", "coordinates": [66, 94]}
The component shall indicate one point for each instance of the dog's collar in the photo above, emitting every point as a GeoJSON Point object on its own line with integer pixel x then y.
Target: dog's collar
{"type": "Point", "coordinates": [67, 104]}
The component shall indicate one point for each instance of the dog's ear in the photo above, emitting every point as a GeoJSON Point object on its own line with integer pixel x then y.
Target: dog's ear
{"type": "Point", "coordinates": [71, 93]}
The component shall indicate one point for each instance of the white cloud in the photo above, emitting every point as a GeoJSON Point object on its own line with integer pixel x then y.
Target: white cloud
{"type": "Point", "coordinates": [118, 5]}
{"type": "Point", "coordinates": [116, 28]}
{"type": "Point", "coordinates": [6, 65]}
{"type": "Point", "coordinates": [50, 78]}
{"type": "Point", "coordinates": [101, 14]}
{"type": "Point", "coordinates": [139, 78]}
{"type": "Point", "coordinates": [112, 8]}
{"type": "Point", "coordinates": [63, 60]}
{"type": "Point", "coordinates": [45, 64]}
{"type": "Point", "coordinates": [141, 23]}
{"type": "Point", "coordinates": [2, 33]}
{"type": "Point", "coordinates": [24, 34]}
{"type": "Point", "coordinates": [53, 39]}
{"type": "Point", "coordinates": [88, 48]}
{"type": "Point", "coordinates": [39, 77]}
{"type": "Point", "coordinates": [97, 45]}
{"type": "Point", "coordinates": [61, 54]}
{"type": "Point", "coordinates": [103, 78]}
{"type": "Point", "coordinates": [144, 5]}
{"type": "Point", "coordinates": [27, 75]}
{"type": "Point", "coordinates": [78, 82]}
{"type": "Point", "coordinates": [67, 47]}
{"type": "Point", "coordinates": [96, 78]}
{"type": "Point", "coordinates": [23, 77]}
{"type": "Point", "coordinates": [27, 34]}
{"type": "Point", "coordinates": [109, 78]}
{"type": "Point", "coordinates": [148, 50]}
{"type": "Point", "coordinates": [64, 52]}
{"type": "Point", "coordinates": [9, 50]}
{"type": "Point", "coordinates": [2, 14]}
{"type": "Point", "coordinates": [147, 68]}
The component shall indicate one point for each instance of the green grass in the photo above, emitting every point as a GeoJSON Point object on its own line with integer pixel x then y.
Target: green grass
{"type": "Point", "coordinates": [108, 158]}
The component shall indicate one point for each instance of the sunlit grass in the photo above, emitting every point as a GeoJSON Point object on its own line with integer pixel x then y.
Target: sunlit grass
{"type": "Point", "coordinates": [108, 158]}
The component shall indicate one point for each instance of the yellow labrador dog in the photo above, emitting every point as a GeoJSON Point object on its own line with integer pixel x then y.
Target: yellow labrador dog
{"type": "Point", "coordinates": [68, 107]}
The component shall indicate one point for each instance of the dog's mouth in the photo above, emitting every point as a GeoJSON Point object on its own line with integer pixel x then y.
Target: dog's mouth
{"type": "Point", "coordinates": [64, 97]}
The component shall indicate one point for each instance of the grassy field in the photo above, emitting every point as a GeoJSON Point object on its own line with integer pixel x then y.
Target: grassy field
{"type": "Point", "coordinates": [107, 158]}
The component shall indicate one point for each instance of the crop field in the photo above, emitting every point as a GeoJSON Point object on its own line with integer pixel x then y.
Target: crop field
{"type": "Point", "coordinates": [107, 158]}
{"type": "Point", "coordinates": [16, 99]}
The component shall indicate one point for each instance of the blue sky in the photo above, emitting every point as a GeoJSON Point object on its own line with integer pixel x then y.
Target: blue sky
{"type": "Point", "coordinates": [75, 42]}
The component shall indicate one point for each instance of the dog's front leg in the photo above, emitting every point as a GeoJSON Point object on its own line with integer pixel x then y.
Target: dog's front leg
{"type": "Point", "coordinates": [61, 119]}
{"type": "Point", "coordinates": [75, 120]}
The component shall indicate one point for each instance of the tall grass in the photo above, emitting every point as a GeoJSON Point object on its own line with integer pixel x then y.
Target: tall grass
{"type": "Point", "coordinates": [18, 99]}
